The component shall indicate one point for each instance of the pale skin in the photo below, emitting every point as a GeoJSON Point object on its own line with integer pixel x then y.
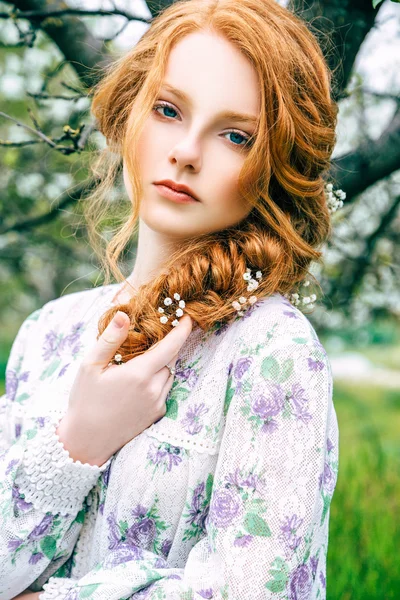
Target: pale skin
{"type": "Point", "coordinates": [190, 143]}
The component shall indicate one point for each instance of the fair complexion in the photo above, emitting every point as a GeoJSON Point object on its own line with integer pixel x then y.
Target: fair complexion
{"type": "Point", "coordinates": [190, 139]}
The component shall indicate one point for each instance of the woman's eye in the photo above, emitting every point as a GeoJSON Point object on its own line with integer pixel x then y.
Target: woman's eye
{"type": "Point", "coordinates": [236, 142]}
{"type": "Point", "coordinates": [164, 106]}
{"type": "Point", "coordinates": [236, 135]}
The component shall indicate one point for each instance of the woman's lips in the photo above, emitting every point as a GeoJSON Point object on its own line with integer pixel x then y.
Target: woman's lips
{"type": "Point", "coordinates": [171, 194]}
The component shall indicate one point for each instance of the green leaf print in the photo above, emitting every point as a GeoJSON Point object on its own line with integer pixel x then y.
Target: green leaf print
{"type": "Point", "coordinates": [300, 340]}
{"type": "Point", "coordinates": [228, 396]}
{"type": "Point", "coordinates": [280, 576]}
{"type": "Point", "coordinates": [50, 369]}
{"type": "Point", "coordinates": [270, 369]}
{"type": "Point", "coordinates": [80, 517]}
{"type": "Point", "coordinates": [276, 585]}
{"type": "Point", "coordinates": [88, 590]}
{"type": "Point", "coordinates": [48, 546]}
{"type": "Point", "coordinates": [171, 408]}
{"type": "Point", "coordinates": [256, 525]}
{"type": "Point", "coordinates": [31, 433]}
{"type": "Point", "coordinates": [209, 484]}
{"type": "Point", "coordinates": [21, 397]}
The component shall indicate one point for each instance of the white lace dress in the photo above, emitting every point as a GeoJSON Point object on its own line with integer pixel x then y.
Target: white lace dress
{"type": "Point", "coordinates": [226, 497]}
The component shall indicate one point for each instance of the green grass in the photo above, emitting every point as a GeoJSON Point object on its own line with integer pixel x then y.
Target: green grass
{"type": "Point", "coordinates": [364, 529]}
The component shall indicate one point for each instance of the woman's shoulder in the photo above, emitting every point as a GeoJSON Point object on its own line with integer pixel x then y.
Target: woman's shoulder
{"type": "Point", "coordinates": [80, 301]}
{"type": "Point", "coordinates": [274, 319]}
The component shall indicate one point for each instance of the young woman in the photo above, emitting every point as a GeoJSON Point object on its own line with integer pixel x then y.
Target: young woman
{"type": "Point", "coordinates": [173, 435]}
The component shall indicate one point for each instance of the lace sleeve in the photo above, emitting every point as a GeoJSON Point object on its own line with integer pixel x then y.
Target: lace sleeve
{"type": "Point", "coordinates": [42, 490]}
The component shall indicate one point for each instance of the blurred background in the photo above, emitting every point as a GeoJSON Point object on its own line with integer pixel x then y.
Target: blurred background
{"type": "Point", "coordinates": [48, 56]}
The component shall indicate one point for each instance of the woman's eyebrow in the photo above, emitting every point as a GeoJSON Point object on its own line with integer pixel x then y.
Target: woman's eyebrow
{"type": "Point", "coordinates": [229, 115]}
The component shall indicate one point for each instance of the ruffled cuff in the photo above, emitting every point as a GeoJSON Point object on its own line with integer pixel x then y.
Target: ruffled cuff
{"type": "Point", "coordinates": [49, 478]}
{"type": "Point", "coordinates": [56, 588]}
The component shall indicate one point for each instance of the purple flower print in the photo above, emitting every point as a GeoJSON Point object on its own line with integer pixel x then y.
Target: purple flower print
{"type": "Point", "coordinates": [290, 314]}
{"type": "Point", "coordinates": [19, 502]}
{"type": "Point", "coordinates": [142, 533]}
{"type": "Point", "coordinates": [165, 455]}
{"type": "Point", "coordinates": [197, 511]}
{"type": "Point", "coordinates": [188, 375]}
{"type": "Point", "coordinates": [328, 480]}
{"type": "Point", "coordinates": [208, 593]}
{"type": "Point", "coordinates": [58, 346]}
{"type": "Point", "coordinates": [289, 530]}
{"type": "Point", "coordinates": [300, 583]}
{"type": "Point", "coordinates": [264, 406]}
{"type": "Point", "coordinates": [226, 506]}
{"type": "Point", "coordinates": [299, 402]}
{"type": "Point", "coordinates": [12, 380]}
{"type": "Point", "coordinates": [139, 512]}
{"type": "Point", "coordinates": [251, 481]}
{"type": "Point", "coordinates": [63, 370]}
{"type": "Point", "coordinates": [35, 558]}
{"type": "Point", "coordinates": [42, 529]}
{"type": "Point", "coordinates": [243, 541]}
{"type": "Point", "coordinates": [166, 547]}
{"type": "Point", "coordinates": [11, 464]}
{"type": "Point", "coordinates": [329, 445]}
{"type": "Point", "coordinates": [315, 365]}
{"type": "Point", "coordinates": [18, 430]}
{"type": "Point", "coordinates": [191, 422]}
{"type": "Point", "coordinates": [13, 544]}
{"type": "Point", "coordinates": [322, 579]}
{"type": "Point", "coordinates": [121, 554]}
{"type": "Point", "coordinates": [313, 565]}
{"type": "Point", "coordinates": [114, 533]}
{"type": "Point", "coordinates": [242, 365]}
{"type": "Point", "coordinates": [105, 476]}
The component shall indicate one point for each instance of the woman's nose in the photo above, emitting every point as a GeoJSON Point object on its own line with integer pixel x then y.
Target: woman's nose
{"type": "Point", "coordinates": [186, 153]}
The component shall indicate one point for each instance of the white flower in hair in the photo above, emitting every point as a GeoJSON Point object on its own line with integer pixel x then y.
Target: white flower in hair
{"type": "Point", "coordinates": [164, 319]}
{"type": "Point", "coordinates": [177, 297]}
{"type": "Point", "coordinates": [175, 323]}
{"type": "Point", "coordinates": [167, 301]}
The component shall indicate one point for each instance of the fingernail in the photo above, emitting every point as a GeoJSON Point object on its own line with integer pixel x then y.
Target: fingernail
{"type": "Point", "coordinates": [119, 320]}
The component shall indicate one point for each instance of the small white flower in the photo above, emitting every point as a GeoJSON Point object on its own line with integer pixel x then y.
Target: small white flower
{"type": "Point", "coordinates": [164, 319]}
{"type": "Point", "coordinates": [160, 309]}
{"type": "Point", "coordinates": [252, 299]}
{"type": "Point", "coordinates": [175, 323]}
{"type": "Point", "coordinates": [242, 300]}
{"type": "Point", "coordinates": [236, 305]}
{"type": "Point", "coordinates": [306, 283]}
{"type": "Point", "coordinates": [313, 297]}
{"type": "Point", "coordinates": [182, 304]}
{"type": "Point", "coordinates": [240, 313]}
{"type": "Point", "coordinates": [295, 296]}
{"type": "Point", "coordinates": [167, 301]}
{"type": "Point", "coordinates": [247, 276]}
{"type": "Point", "coordinates": [258, 275]}
{"type": "Point", "coordinates": [177, 297]}
{"type": "Point", "coordinates": [306, 300]}
{"type": "Point", "coordinates": [179, 312]}
{"type": "Point", "coordinates": [329, 187]}
{"type": "Point", "coordinates": [118, 357]}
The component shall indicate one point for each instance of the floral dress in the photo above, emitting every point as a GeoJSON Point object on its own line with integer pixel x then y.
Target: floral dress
{"type": "Point", "coordinates": [226, 497]}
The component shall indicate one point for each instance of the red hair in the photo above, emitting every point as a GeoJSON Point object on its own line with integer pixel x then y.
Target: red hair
{"type": "Point", "coordinates": [282, 177]}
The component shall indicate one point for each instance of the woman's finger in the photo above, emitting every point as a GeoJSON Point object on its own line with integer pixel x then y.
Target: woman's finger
{"type": "Point", "coordinates": [110, 340]}
{"type": "Point", "coordinates": [161, 353]}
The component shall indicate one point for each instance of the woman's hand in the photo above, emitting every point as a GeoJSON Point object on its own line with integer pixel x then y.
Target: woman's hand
{"type": "Point", "coordinates": [28, 596]}
{"type": "Point", "coordinates": [111, 405]}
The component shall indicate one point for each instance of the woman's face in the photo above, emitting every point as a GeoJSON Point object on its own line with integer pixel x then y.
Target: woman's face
{"type": "Point", "coordinates": [190, 141]}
